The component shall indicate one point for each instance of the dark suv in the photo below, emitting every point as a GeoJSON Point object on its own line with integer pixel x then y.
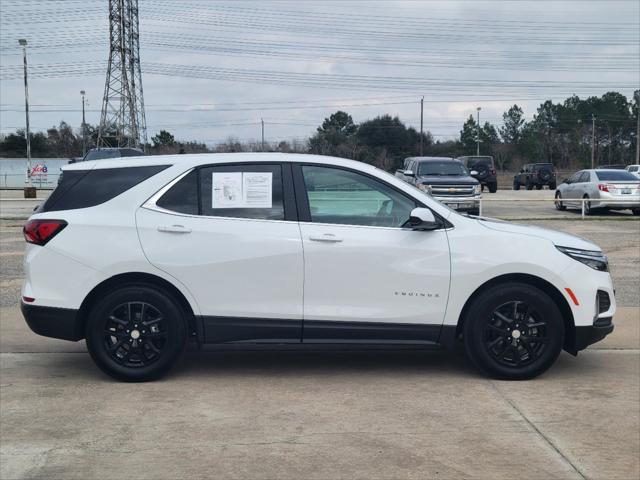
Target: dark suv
{"type": "Point", "coordinates": [485, 168]}
{"type": "Point", "coordinates": [535, 175]}
{"type": "Point", "coordinates": [445, 179]}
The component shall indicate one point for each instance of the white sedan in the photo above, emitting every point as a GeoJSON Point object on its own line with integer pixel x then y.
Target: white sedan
{"type": "Point", "coordinates": [599, 189]}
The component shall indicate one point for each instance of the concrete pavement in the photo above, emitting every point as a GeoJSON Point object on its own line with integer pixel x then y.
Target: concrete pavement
{"type": "Point", "coordinates": [323, 413]}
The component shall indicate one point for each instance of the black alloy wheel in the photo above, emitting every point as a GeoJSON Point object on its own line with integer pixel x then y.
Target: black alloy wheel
{"type": "Point", "coordinates": [513, 331]}
{"type": "Point", "coordinates": [515, 334]}
{"type": "Point", "coordinates": [136, 333]}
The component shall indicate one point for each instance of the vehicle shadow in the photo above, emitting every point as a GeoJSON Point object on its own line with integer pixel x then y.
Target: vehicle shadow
{"type": "Point", "coordinates": [322, 361]}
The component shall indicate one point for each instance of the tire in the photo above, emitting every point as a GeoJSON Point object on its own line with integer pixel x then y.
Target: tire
{"type": "Point", "coordinates": [518, 349]}
{"type": "Point", "coordinates": [538, 186]}
{"type": "Point", "coordinates": [552, 186]}
{"type": "Point", "coordinates": [559, 205]}
{"type": "Point", "coordinates": [516, 185]}
{"type": "Point", "coordinates": [635, 211]}
{"type": "Point", "coordinates": [493, 187]}
{"type": "Point", "coordinates": [587, 206]}
{"type": "Point", "coordinates": [147, 332]}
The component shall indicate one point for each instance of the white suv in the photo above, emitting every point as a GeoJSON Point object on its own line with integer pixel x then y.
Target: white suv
{"type": "Point", "coordinates": [138, 254]}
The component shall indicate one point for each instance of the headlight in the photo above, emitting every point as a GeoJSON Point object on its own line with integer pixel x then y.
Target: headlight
{"type": "Point", "coordinates": [591, 258]}
{"type": "Point", "coordinates": [425, 188]}
{"type": "Point", "coordinates": [477, 190]}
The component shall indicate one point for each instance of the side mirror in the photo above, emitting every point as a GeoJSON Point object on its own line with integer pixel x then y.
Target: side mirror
{"type": "Point", "coordinates": [409, 173]}
{"type": "Point", "coordinates": [423, 219]}
{"type": "Point", "coordinates": [473, 172]}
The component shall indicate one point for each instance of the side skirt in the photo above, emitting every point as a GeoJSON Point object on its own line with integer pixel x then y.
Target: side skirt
{"type": "Point", "coordinates": [217, 330]}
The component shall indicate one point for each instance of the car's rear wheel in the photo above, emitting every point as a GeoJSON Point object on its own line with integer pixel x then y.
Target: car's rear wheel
{"type": "Point", "coordinates": [513, 331]}
{"type": "Point", "coordinates": [136, 333]}
{"type": "Point", "coordinates": [558, 202]}
{"type": "Point", "coordinates": [516, 185]}
{"type": "Point", "coordinates": [493, 187]}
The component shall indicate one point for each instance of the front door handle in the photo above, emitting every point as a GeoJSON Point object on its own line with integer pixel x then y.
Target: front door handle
{"type": "Point", "coordinates": [174, 229]}
{"type": "Point", "coordinates": [327, 238]}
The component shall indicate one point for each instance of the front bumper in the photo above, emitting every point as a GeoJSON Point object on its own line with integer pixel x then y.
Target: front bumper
{"type": "Point", "coordinates": [588, 335]}
{"type": "Point", "coordinates": [460, 203]}
{"type": "Point", "coordinates": [62, 323]}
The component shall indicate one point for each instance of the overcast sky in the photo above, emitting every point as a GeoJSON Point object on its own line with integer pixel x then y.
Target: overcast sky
{"type": "Point", "coordinates": [213, 69]}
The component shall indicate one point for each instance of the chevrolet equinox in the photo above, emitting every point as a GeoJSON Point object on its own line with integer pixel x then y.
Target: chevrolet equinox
{"type": "Point", "coordinates": [137, 255]}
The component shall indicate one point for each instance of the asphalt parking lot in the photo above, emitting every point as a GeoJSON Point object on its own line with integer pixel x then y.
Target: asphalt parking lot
{"type": "Point", "coordinates": [326, 413]}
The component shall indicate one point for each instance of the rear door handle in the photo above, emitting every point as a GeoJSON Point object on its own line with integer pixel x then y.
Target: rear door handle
{"type": "Point", "coordinates": [327, 238]}
{"type": "Point", "coordinates": [174, 229]}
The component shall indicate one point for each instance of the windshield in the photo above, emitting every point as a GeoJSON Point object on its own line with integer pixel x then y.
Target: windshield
{"type": "Point", "coordinates": [442, 168]}
{"type": "Point", "coordinates": [615, 175]}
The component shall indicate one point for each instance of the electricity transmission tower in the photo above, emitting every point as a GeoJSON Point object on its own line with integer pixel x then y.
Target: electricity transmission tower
{"type": "Point", "coordinates": [122, 121]}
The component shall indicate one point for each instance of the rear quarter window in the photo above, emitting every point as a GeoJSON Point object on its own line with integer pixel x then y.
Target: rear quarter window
{"type": "Point", "coordinates": [88, 188]}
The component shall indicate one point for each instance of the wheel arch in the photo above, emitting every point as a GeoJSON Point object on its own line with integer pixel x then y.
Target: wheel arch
{"type": "Point", "coordinates": [449, 338]}
{"type": "Point", "coordinates": [119, 280]}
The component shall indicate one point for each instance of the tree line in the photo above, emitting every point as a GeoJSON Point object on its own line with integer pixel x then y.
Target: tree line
{"type": "Point", "coordinates": [560, 133]}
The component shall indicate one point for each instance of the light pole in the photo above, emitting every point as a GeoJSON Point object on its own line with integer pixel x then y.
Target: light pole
{"type": "Point", "coordinates": [29, 191]}
{"type": "Point", "coordinates": [421, 117]}
{"type": "Point", "coordinates": [84, 128]}
{"type": "Point", "coordinates": [478, 133]}
{"type": "Point", "coordinates": [593, 141]}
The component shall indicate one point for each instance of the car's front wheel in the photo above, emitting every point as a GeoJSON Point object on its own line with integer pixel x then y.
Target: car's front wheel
{"type": "Point", "coordinates": [136, 333]}
{"type": "Point", "coordinates": [513, 331]}
{"type": "Point", "coordinates": [558, 202]}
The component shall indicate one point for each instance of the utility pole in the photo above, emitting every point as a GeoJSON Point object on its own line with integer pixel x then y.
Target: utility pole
{"type": "Point", "coordinates": [29, 191]}
{"type": "Point", "coordinates": [262, 122]}
{"type": "Point", "coordinates": [593, 141]}
{"type": "Point", "coordinates": [84, 128]}
{"type": "Point", "coordinates": [421, 123]}
{"type": "Point", "coordinates": [478, 134]}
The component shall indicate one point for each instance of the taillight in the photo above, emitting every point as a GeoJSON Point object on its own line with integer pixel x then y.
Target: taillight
{"type": "Point", "coordinates": [603, 188]}
{"type": "Point", "coordinates": [40, 232]}
{"type": "Point", "coordinates": [493, 172]}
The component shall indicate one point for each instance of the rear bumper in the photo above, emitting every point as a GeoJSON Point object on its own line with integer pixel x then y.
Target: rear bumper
{"type": "Point", "coordinates": [53, 322]}
{"type": "Point", "coordinates": [591, 334]}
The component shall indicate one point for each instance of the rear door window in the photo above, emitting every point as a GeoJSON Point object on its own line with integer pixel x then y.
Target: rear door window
{"type": "Point", "coordinates": [242, 191]}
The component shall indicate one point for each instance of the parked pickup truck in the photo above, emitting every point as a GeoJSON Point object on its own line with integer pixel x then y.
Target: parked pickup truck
{"type": "Point", "coordinates": [445, 179]}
